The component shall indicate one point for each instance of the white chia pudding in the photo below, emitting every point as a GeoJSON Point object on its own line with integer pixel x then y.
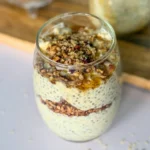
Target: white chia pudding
{"type": "Point", "coordinates": [77, 104]}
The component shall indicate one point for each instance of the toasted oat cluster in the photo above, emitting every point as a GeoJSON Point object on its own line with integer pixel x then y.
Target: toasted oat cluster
{"type": "Point", "coordinates": [76, 47]}
{"type": "Point", "coordinates": [63, 107]}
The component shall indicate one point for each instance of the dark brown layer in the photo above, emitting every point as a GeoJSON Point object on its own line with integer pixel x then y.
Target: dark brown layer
{"type": "Point", "coordinates": [63, 107]}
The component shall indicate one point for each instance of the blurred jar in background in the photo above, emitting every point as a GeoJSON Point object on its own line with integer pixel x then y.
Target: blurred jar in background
{"type": "Point", "coordinates": [125, 16]}
{"type": "Point", "coordinates": [29, 4]}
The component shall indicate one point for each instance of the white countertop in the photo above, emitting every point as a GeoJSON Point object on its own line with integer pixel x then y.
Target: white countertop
{"type": "Point", "coordinates": [22, 128]}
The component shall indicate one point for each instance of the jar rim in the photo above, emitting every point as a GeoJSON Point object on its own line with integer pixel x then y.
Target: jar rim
{"type": "Point", "coordinates": [65, 66]}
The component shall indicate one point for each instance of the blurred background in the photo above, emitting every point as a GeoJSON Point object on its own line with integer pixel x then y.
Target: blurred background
{"type": "Point", "coordinates": [130, 19]}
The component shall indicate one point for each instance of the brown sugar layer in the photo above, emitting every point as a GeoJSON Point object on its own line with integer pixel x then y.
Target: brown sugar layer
{"type": "Point", "coordinates": [63, 107]}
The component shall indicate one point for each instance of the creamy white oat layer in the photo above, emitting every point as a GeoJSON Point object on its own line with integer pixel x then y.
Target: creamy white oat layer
{"type": "Point", "coordinates": [93, 98]}
{"type": "Point", "coordinates": [79, 128]}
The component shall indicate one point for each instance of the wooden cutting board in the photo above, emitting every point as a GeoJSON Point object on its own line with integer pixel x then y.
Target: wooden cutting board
{"type": "Point", "coordinates": [18, 30]}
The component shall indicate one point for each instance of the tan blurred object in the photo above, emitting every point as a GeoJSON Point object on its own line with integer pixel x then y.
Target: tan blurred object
{"type": "Point", "coordinates": [125, 16]}
{"type": "Point", "coordinates": [11, 41]}
{"type": "Point", "coordinates": [136, 81]}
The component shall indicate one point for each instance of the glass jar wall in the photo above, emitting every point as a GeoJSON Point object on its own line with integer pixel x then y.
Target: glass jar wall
{"type": "Point", "coordinates": [77, 75]}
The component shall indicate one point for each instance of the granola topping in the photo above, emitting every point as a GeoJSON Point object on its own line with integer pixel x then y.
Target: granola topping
{"type": "Point", "coordinates": [78, 47]}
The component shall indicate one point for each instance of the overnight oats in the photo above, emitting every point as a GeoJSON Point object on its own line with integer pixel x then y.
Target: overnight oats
{"type": "Point", "coordinates": [76, 76]}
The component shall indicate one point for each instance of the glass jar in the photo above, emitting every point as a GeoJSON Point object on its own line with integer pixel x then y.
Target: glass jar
{"type": "Point", "coordinates": [125, 16]}
{"type": "Point", "coordinates": [30, 4]}
{"type": "Point", "coordinates": [78, 102]}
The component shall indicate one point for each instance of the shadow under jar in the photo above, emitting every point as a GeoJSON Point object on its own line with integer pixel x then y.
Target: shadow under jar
{"type": "Point", "coordinates": [77, 75]}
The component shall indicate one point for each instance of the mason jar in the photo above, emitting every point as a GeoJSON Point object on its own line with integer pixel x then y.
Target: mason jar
{"type": "Point", "coordinates": [30, 4]}
{"type": "Point", "coordinates": [125, 16]}
{"type": "Point", "coordinates": [77, 75]}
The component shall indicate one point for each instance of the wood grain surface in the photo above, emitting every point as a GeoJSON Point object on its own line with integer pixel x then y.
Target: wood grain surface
{"type": "Point", "coordinates": [134, 48]}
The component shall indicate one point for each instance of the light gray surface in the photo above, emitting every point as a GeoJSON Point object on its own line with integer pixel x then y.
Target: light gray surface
{"type": "Point", "coordinates": [21, 127]}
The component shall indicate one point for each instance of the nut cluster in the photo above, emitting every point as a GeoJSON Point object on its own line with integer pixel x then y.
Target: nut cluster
{"type": "Point", "coordinates": [76, 47]}
{"type": "Point", "coordinates": [65, 108]}
{"type": "Point", "coordinates": [81, 46]}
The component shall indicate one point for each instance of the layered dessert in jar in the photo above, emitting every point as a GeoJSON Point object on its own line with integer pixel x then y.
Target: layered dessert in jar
{"type": "Point", "coordinates": [125, 16]}
{"type": "Point", "coordinates": [76, 79]}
